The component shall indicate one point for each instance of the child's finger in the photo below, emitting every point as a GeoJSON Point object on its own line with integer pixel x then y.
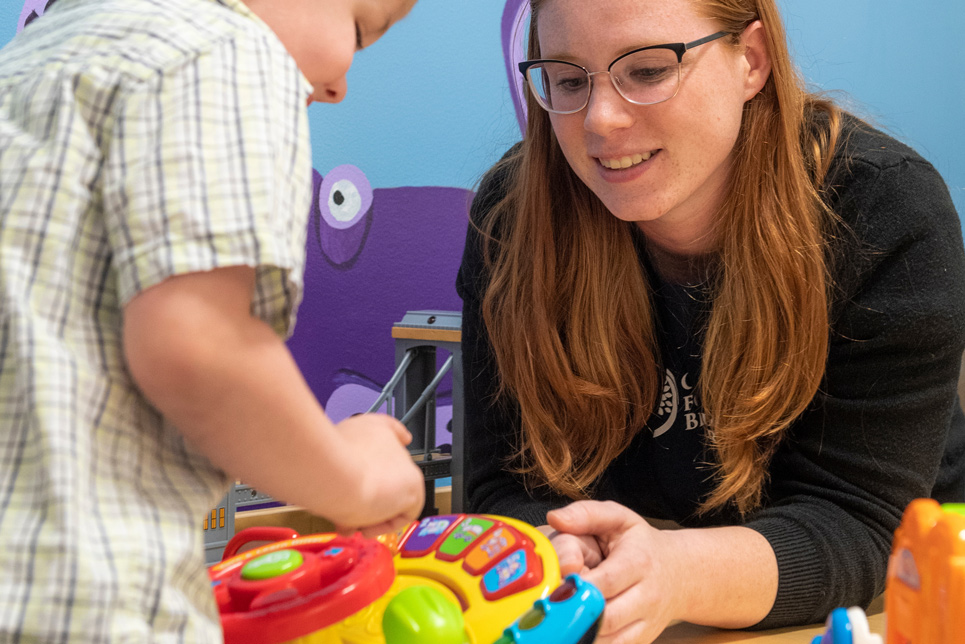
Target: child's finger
{"type": "Point", "coordinates": [345, 531]}
{"type": "Point", "coordinates": [400, 430]}
{"type": "Point", "coordinates": [385, 527]}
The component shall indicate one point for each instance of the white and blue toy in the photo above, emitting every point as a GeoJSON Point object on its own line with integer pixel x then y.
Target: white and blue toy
{"type": "Point", "coordinates": [847, 626]}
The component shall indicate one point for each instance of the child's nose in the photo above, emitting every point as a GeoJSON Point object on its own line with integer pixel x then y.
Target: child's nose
{"type": "Point", "coordinates": [332, 92]}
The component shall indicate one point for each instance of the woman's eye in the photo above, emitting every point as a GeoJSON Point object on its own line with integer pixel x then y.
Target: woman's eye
{"type": "Point", "coordinates": [649, 75]}
{"type": "Point", "coordinates": [571, 84]}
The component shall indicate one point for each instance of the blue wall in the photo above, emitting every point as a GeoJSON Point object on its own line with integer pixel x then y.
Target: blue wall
{"type": "Point", "coordinates": [9, 14]}
{"type": "Point", "coordinates": [428, 104]}
{"type": "Point", "coordinates": [411, 120]}
{"type": "Point", "coordinates": [900, 65]}
{"type": "Point", "coordinates": [429, 110]}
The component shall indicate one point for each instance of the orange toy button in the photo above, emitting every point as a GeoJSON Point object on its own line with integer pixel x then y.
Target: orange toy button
{"type": "Point", "coordinates": [481, 557]}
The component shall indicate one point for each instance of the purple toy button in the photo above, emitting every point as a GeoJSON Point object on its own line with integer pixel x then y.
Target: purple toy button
{"type": "Point", "coordinates": [425, 535]}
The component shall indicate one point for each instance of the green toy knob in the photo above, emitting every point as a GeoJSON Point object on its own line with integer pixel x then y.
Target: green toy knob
{"type": "Point", "coordinates": [423, 615]}
{"type": "Point", "coordinates": [271, 565]}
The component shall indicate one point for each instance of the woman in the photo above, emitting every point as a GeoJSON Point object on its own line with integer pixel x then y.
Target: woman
{"type": "Point", "coordinates": [697, 293]}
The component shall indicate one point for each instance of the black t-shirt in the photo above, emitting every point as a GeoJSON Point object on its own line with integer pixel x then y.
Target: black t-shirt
{"type": "Point", "coordinates": [885, 427]}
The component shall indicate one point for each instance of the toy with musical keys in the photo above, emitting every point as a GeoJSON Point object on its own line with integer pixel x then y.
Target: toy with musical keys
{"type": "Point", "coordinates": [456, 579]}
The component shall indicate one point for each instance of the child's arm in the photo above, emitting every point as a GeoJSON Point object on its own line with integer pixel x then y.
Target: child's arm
{"type": "Point", "coordinates": [229, 384]}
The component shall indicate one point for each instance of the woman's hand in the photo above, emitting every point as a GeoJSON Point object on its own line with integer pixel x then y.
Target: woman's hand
{"type": "Point", "coordinates": [627, 559]}
{"type": "Point", "coordinates": [576, 553]}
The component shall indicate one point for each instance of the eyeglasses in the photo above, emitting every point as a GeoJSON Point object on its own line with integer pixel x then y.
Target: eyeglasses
{"type": "Point", "coordinates": [643, 77]}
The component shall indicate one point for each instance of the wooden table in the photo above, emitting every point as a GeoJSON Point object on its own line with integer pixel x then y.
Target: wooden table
{"type": "Point", "coordinates": [689, 634]}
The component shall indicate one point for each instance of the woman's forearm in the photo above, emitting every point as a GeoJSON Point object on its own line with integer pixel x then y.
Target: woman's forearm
{"type": "Point", "coordinates": [725, 577]}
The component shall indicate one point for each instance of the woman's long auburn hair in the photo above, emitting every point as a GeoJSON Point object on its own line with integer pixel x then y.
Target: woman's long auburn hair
{"type": "Point", "coordinates": [569, 313]}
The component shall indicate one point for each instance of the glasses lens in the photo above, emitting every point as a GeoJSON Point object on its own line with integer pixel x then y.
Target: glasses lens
{"type": "Point", "coordinates": [648, 76]}
{"type": "Point", "coordinates": [559, 87]}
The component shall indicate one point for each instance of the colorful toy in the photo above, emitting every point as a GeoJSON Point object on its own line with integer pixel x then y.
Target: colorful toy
{"type": "Point", "coordinates": [570, 615]}
{"type": "Point", "coordinates": [847, 626]}
{"type": "Point", "coordinates": [456, 579]}
{"type": "Point", "coordinates": [925, 596]}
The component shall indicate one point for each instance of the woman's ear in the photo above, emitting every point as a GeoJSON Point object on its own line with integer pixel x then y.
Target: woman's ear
{"type": "Point", "coordinates": [757, 59]}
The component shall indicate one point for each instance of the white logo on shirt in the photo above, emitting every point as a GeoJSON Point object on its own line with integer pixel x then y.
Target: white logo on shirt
{"type": "Point", "coordinates": [672, 403]}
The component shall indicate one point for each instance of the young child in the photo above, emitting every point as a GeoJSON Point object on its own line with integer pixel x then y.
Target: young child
{"type": "Point", "coordinates": [155, 178]}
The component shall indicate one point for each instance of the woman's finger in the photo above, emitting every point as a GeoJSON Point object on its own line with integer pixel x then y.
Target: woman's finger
{"type": "Point", "coordinates": [620, 570]}
{"type": "Point", "coordinates": [629, 607]}
{"type": "Point", "coordinates": [600, 518]}
{"type": "Point", "coordinates": [569, 552]}
{"type": "Point", "coordinates": [638, 632]}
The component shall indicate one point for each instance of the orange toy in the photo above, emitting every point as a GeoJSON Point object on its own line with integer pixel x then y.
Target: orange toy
{"type": "Point", "coordinates": [925, 597]}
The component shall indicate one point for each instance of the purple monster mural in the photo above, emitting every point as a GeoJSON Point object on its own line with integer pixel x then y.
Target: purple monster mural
{"type": "Point", "coordinates": [373, 255]}
{"type": "Point", "coordinates": [515, 25]}
{"type": "Point", "coordinates": [32, 9]}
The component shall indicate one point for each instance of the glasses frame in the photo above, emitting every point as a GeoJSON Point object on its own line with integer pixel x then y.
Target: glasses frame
{"type": "Point", "coordinates": [679, 48]}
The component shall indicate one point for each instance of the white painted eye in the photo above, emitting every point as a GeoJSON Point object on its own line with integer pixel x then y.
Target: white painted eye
{"type": "Point", "coordinates": [344, 201]}
{"type": "Point", "coordinates": [345, 195]}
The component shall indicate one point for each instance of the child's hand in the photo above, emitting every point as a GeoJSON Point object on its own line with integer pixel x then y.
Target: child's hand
{"type": "Point", "coordinates": [391, 488]}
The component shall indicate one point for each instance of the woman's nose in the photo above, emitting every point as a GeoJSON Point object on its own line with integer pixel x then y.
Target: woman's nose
{"type": "Point", "coordinates": [606, 109]}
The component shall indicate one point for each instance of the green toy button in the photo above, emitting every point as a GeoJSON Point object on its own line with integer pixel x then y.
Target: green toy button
{"type": "Point", "coordinates": [271, 565]}
{"type": "Point", "coordinates": [421, 614]}
{"type": "Point", "coordinates": [954, 508]}
{"type": "Point", "coordinates": [464, 535]}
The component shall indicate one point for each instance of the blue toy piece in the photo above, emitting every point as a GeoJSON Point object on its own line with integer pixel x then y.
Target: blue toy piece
{"type": "Point", "coordinates": [570, 615]}
{"type": "Point", "coordinates": [847, 626]}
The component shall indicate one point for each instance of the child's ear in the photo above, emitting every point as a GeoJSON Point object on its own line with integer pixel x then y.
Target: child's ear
{"type": "Point", "coordinates": [757, 59]}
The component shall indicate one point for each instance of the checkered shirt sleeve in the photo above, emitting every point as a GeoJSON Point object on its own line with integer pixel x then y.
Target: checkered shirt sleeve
{"type": "Point", "coordinates": [139, 139]}
{"type": "Point", "coordinates": [206, 169]}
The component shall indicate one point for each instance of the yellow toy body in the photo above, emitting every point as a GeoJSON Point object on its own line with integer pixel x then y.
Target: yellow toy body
{"type": "Point", "coordinates": [491, 568]}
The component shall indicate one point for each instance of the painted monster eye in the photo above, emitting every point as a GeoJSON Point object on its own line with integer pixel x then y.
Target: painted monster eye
{"type": "Point", "coordinates": [344, 197]}
{"type": "Point", "coordinates": [344, 202]}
